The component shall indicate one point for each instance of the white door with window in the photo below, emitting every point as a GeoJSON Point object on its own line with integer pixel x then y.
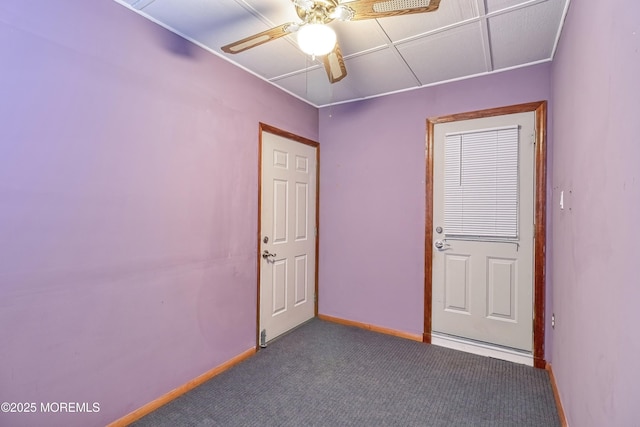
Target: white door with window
{"type": "Point", "coordinates": [483, 230]}
{"type": "Point", "coordinates": [287, 234]}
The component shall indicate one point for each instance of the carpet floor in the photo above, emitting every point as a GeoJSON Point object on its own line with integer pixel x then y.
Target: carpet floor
{"type": "Point", "coordinates": [325, 374]}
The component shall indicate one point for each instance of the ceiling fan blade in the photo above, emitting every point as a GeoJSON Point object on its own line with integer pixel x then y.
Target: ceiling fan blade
{"type": "Point", "coordinates": [372, 9]}
{"type": "Point", "coordinates": [334, 65]}
{"type": "Point", "coordinates": [260, 38]}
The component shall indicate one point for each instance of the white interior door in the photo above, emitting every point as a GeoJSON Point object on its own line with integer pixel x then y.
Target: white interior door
{"type": "Point", "coordinates": [288, 234]}
{"type": "Point", "coordinates": [482, 266]}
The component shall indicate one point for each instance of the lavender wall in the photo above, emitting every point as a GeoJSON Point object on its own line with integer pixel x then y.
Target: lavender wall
{"type": "Point", "coordinates": [372, 206]}
{"type": "Point", "coordinates": [128, 207]}
{"type": "Point", "coordinates": [596, 131]}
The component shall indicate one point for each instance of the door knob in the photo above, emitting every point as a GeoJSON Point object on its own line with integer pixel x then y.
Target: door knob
{"type": "Point", "coordinates": [439, 244]}
{"type": "Point", "coordinates": [266, 254]}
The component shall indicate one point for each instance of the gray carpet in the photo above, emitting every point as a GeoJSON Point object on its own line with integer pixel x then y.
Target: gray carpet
{"type": "Point", "coordinates": [324, 374]}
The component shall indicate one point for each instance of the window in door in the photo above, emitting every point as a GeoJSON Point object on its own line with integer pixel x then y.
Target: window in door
{"type": "Point", "coordinates": [481, 184]}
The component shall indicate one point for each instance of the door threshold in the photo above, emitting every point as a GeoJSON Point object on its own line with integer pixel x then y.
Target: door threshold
{"type": "Point", "coordinates": [482, 349]}
{"type": "Point", "coordinates": [287, 332]}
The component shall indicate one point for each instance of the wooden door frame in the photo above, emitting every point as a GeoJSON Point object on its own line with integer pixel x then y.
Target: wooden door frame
{"type": "Point", "coordinates": [263, 127]}
{"type": "Point", "coordinates": [540, 216]}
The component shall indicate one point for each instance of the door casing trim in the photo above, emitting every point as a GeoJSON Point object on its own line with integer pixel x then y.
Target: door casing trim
{"type": "Point", "coordinates": [263, 127]}
{"type": "Point", "coordinates": [540, 215]}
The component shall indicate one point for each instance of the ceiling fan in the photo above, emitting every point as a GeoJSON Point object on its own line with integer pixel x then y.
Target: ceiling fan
{"type": "Point", "coordinates": [316, 38]}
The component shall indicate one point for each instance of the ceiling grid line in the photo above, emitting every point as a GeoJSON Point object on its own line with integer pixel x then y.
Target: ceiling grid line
{"type": "Point", "coordinates": [398, 54]}
{"type": "Point", "coordinates": [486, 38]}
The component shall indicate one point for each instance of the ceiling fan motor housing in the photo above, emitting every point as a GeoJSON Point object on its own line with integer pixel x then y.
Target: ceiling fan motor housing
{"type": "Point", "coordinates": [319, 13]}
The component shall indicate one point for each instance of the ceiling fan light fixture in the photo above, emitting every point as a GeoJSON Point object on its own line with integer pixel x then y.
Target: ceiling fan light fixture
{"type": "Point", "coordinates": [304, 4]}
{"type": "Point", "coordinates": [342, 13]}
{"type": "Point", "coordinates": [316, 39]}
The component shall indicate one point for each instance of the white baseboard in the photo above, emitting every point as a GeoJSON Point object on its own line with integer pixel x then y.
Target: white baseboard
{"type": "Point", "coordinates": [482, 349]}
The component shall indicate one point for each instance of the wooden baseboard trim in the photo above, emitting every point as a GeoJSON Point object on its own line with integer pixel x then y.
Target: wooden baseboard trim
{"type": "Point", "coordinates": [168, 397]}
{"type": "Point", "coordinates": [556, 395]}
{"type": "Point", "coordinates": [369, 327]}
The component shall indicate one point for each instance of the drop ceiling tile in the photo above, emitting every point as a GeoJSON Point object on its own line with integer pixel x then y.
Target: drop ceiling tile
{"type": "Point", "coordinates": [495, 5]}
{"type": "Point", "coordinates": [525, 35]}
{"type": "Point", "coordinates": [314, 86]}
{"type": "Point", "coordinates": [449, 12]}
{"type": "Point", "coordinates": [377, 72]}
{"type": "Point", "coordinates": [358, 36]}
{"type": "Point", "coordinates": [446, 55]}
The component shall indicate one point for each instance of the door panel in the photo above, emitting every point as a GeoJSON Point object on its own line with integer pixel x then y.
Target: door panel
{"type": "Point", "coordinates": [302, 213]}
{"type": "Point", "coordinates": [482, 287]}
{"type": "Point", "coordinates": [301, 275]}
{"type": "Point", "coordinates": [287, 233]}
{"type": "Point", "coordinates": [279, 283]}
{"type": "Point", "coordinates": [456, 282]}
{"type": "Point", "coordinates": [280, 208]}
{"type": "Point", "coordinates": [501, 288]}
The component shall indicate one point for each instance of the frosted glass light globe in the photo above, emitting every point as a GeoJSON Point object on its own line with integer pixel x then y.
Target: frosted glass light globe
{"type": "Point", "coordinates": [316, 39]}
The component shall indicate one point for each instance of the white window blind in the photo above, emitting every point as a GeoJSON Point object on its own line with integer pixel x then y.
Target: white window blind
{"type": "Point", "coordinates": [481, 183]}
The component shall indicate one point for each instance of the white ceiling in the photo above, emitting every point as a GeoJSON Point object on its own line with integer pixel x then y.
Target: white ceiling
{"type": "Point", "coordinates": [462, 38]}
